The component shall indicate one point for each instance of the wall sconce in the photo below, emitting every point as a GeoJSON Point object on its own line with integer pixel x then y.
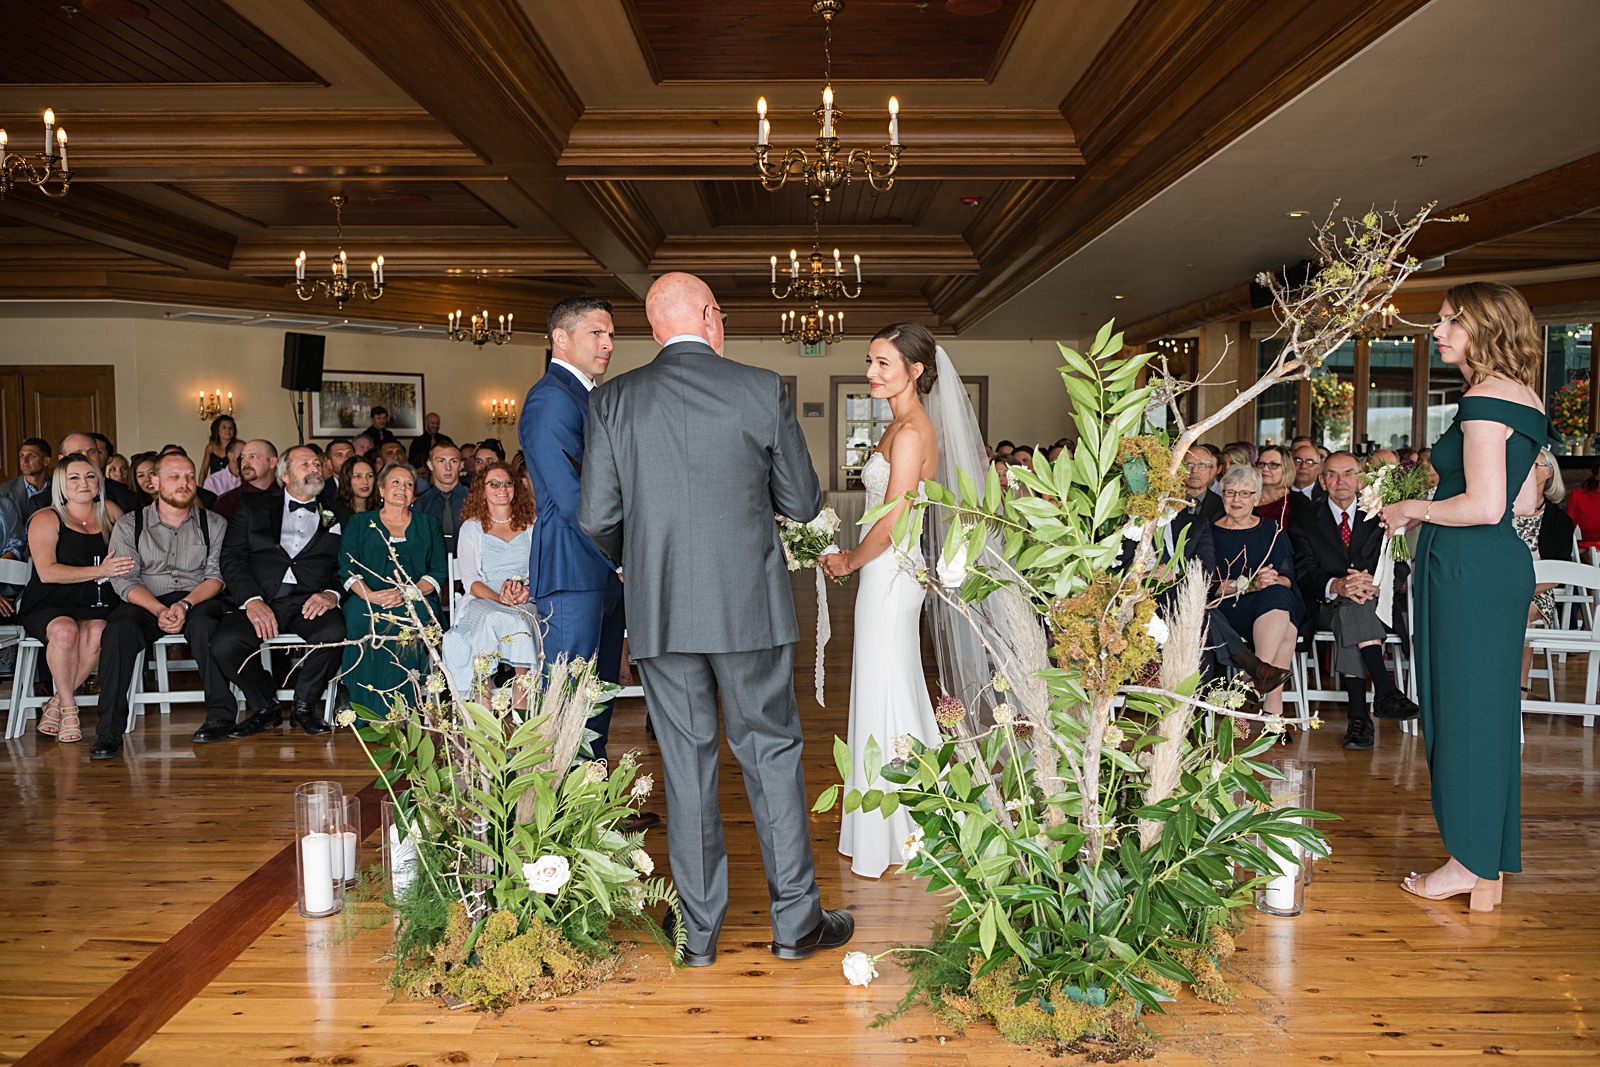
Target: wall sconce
{"type": "Point", "coordinates": [501, 414]}
{"type": "Point", "coordinates": [215, 406]}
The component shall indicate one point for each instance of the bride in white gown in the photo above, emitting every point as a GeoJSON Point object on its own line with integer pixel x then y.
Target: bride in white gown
{"type": "Point", "coordinates": [888, 692]}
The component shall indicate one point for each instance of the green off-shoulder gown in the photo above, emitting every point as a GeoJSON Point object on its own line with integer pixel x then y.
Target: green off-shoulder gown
{"type": "Point", "coordinates": [1473, 587]}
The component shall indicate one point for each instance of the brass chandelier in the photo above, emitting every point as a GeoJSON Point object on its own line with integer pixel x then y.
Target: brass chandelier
{"type": "Point", "coordinates": [481, 332]}
{"type": "Point", "coordinates": [832, 169]}
{"type": "Point", "coordinates": [811, 327]}
{"type": "Point", "coordinates": [340, 288]}
{"type": "Point", "coordinates": [817, 285]}
{"type": "Point", "coordinates": [51, 165]}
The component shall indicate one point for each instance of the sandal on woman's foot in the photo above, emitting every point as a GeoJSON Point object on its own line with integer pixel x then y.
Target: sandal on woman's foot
{"type": "Point", "coordinates": [70, 730]}
{"type": "Point", "coordinates": [50, 717]}
{"type": "Point", "coordinates": [1484, 894]}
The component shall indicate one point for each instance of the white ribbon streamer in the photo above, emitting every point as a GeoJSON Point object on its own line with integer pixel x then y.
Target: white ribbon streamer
{"type": "Point", "coordinates": [1384, 580]}
{"type": "Point", "coordinates": [824, 624]}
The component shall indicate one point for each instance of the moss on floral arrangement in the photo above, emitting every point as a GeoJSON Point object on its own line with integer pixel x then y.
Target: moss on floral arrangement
{"type": "Point", "coordinates": [1164, 487]}
{"type": "Point", "coordinates": [505, 967]}
{"type": "Point", "coordinates": [1087, 636]}
{"type": "Point", "coordinates": [1055, 1017]}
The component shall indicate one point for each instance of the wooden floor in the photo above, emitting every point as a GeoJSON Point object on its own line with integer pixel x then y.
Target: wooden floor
{"type": "Point", "coordinates": [104, 862]}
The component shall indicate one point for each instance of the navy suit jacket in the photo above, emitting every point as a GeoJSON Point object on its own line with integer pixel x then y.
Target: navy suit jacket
{"type": "Point", "coordinates": [551, 430]}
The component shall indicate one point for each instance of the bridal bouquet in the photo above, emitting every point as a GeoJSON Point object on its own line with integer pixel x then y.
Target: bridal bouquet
{"type": "Point", "coordinates": [804, 544]}
{"type": "Point", "coordinates": [1390, 484]}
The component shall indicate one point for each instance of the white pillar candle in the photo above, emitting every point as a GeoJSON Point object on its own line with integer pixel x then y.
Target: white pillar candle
{"type": "Point", "coordinates": [316, 872]}
{"type": "Point", "coordinates": [1280, 891]}
{"type": "Point", "coordinates": [349, 844]}
{"type": "Point", "coordinates": [403, 860]}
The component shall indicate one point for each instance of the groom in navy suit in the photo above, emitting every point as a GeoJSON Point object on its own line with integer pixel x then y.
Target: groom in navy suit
{"type": "Point", "coordinates": [576, 590]}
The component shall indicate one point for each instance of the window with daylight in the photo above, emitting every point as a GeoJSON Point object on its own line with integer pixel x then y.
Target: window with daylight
{"type": "Point", "coordinates": [1391, 395]}
{"type": "Point", "coordinates": [1277, 409]}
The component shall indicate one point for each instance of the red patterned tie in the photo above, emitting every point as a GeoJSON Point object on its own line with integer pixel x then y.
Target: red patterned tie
{"type": "Point", "coordinates": [1344, 527]}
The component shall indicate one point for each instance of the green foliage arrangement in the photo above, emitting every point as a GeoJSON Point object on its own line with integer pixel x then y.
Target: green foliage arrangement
{"type": "Point", "coordinates": [522, 867]}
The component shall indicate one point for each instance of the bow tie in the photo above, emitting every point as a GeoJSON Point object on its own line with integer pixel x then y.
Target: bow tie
{"type": "Point", "coordinates": [297, 505]}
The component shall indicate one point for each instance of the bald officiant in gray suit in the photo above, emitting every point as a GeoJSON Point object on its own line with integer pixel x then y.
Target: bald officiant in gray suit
{"type": "Point", "coordinates": [685, 461]}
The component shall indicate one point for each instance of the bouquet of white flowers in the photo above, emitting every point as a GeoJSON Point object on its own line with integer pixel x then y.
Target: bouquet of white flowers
{"type": "Point", "coordinates": [1390, 484]}
{"type": "Point", "coordinates": [804, 543]}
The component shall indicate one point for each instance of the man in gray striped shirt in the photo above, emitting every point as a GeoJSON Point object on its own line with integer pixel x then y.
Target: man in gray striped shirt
{"type": "Point", "coordinates": [174, 587]}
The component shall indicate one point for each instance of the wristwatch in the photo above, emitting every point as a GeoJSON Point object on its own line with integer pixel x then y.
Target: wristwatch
{"type": "Point", "coordinates": [187, 607]}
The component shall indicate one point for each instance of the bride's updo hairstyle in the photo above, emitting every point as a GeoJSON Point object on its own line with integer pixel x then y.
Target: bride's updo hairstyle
{"type": "Point", "coordinates": [915, 345]}
{"type": "Point", "coordinates": [1504, 339]}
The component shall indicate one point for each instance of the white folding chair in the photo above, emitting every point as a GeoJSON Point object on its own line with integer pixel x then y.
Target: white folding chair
{"type": "Point", "coordinates": [1576, 639]}
{"type": "Point", "coordinates": [16, 572]}
{"type": "Point", "coordinates": [287, 641]}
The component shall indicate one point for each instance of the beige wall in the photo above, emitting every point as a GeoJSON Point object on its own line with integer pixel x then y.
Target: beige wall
{"type": "Point", "coordinates": [161, 365]}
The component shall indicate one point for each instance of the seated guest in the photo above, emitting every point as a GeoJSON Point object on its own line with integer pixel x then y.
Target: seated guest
{"type": "Point", "coordinates": [1276, 502]}
{"type": "Point", "coordinates": [333, 458]}
{"type": "Point", "coordinates": [1307, 482]}
{"type": "Point", "coordinates": [224, 481]}
{"type": "Point", "coordinates": [224, 432]}
{"type": "Point", "coordinates": [258, 467]}
{"type": "Point", "coordinates": [117, 468]}
{"type": "Point", "coordinates": [1382, 457]}
{"type": "Point", "coordinates": [1004, 448]}
{"type": "Point", "coordinates": [33, 459]}
{"type": "Point", "coordinates": [379, 430]}
{"type": "Point", "coordinates": [488, 445]}
{"type": "Point", "coordinates": [79, 443]}
{"type": "Point", "coordinates": [1200, 473]}
{"type": "Point", "coordinates": [1583, 507]}
{"type": "Point", "coordinates": [1267, 609]}
{"type": "Point", "coordinates": [358, 480]}
{"type": "Point", "coordinates": [391, 452]}
{"type": "Point", "coordinates": [363, 445]}
{"type": "Point", "coordinates": [66, 603]}
{"type": "Point", "coordinates": [381, 598]}
{"type": "Point", "coordinates": [280, 560]}
{"type": "Point", "coordinates": [493, 614]}
{"type": "Point", "coordinates": [469, 460]}
{"type": "Point", "coordinates": [1548, 533]}
{"type": "Point", "coordinates": [445, 495]}
{"type": "Point", "coordinates": [1242, 452]}
{"type": "Point", "coordinates": [173, 587]}
{"type": "Point", "coordinates": [1335, 556]}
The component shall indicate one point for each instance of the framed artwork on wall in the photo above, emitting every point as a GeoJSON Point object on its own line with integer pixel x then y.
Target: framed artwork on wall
{"type": "Point", "coordinates": [344, 406]}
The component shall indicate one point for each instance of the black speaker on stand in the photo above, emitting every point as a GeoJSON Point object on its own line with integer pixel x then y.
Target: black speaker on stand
{"type": "Point", "coordinates": [302, 372]}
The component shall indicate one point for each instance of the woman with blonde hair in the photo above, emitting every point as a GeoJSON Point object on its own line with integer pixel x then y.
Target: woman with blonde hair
{"type": "Point", "coordinates": [1472, 586]}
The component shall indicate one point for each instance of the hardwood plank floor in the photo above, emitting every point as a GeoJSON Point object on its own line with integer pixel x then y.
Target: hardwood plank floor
{"type": "Point", "coordinates": [106, 862]}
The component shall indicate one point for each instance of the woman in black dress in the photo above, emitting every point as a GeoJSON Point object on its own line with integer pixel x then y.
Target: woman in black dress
{"type": "Point", "coordinates": [1269, 609]}
{"type": "Point", "coordinates": [68, 598]}
{"type": "Point", "coordinates": [215, 457]}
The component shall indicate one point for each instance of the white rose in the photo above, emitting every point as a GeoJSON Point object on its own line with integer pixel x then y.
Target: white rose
{"type": "Point", "coordinates": [826, 522]}
{"type": "Point", "coordinates": [953, 571]}
{"type": "Point", "coordinates": [1134, 530]}
{"type": "Point", "coordinates": [642, 862]}
{"type": "Point", "coordinates": [547, 874]}
{"type": "Point", "coordinates": [858, 968]}
{"type": "Point", "coordinates": [1158, 630]}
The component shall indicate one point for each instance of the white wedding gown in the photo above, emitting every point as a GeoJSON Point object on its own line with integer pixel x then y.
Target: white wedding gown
{"type": "Point", "coordinates": [888, 693]}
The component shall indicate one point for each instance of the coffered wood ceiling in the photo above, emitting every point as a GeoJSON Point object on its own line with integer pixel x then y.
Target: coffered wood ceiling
{"type": "Point", "coordinates": [566, 147]}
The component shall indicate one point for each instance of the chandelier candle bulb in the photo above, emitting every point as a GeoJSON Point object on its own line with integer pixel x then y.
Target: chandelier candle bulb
{"type": "Point", "coordinates": [838, 267]}
{"type": "Point", "coordinates": [858, 269]}
{"type": "Point", "coordinates": [380, 270]}
{"type": "Point", "coordinates": [774, 270]}
{"type": "Point", "coordinates": [49, 131]}
{"type": "Point", "coordinates": [827, 111]}
{"type": "Point", "coordinates": [894, 120]}
{"type": "Point", "coordinates": [761, 121]}
{"type": "Point", "coordinates": [61, 140]}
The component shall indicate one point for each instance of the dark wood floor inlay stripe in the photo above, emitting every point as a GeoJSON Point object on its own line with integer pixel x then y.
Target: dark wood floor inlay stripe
{"type": "Point", "coordinates": [115, 1024]}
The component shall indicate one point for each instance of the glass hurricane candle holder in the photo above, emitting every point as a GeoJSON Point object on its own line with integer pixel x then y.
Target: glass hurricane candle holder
{"type": "Point", "coordinates": [399, 848]}
{"type": "Point", "coordinates": [1284, 893]}
{"type": "Point", "coordinates": [1307, 772]}
{"type": "Point", "coordinates": [318, 816]}
{"type": "Point", "coordinates": [346, 844]}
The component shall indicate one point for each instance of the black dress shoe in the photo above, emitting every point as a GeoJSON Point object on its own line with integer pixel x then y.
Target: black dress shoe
{"type": "Point", "coordinates": [305, 717]}
{"type": "Point", "coordinates": [1266, 676]}
{"type": "Point", "coordinates": [213, 731]}
{"type": "Point", "coordinates": [261, 720]}
{"type": "Point", "coordinates": [105, 749]}
{"type": "Point", "coordinates": [1358, 735]}
{"type": "Point", "coordinates": [1395, 705]}
{"type": "Point", "coordinates": [669, 926]}
{"type": "Point", "coordinates": [836, 928]}
{"type": "Point", "coordinates": [640, 821]}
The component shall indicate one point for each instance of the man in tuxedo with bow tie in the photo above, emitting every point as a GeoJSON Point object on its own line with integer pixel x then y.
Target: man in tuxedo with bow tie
{"type": "Point", "coordinates": [576, 590]}
{"type": "Point", "coordinates": [280, 561]}
{"type": "Point", "coordinates": [1335, 556]}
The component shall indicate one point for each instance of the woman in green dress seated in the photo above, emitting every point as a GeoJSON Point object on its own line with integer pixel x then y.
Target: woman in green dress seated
{"type": "Point", "coordinates": [378, 601]}
{"type": "Point", "coordinates": [1473, 585]}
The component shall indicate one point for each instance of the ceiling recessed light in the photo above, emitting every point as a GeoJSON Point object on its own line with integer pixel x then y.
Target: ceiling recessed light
{"type": "Point", "coordinates": [1118, 296]}
{"type": "Point", "coordinates": [1294, 214]}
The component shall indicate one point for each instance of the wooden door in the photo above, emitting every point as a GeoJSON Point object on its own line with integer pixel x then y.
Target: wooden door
{"type": "Point", "coordinates": [51, 402]}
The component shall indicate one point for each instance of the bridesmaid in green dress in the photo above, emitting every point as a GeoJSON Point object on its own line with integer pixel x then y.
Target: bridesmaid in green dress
{"type": "Point", "coordinates": [367, 570]}
{"type": "Point", "coordinates": [1474, 582]}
